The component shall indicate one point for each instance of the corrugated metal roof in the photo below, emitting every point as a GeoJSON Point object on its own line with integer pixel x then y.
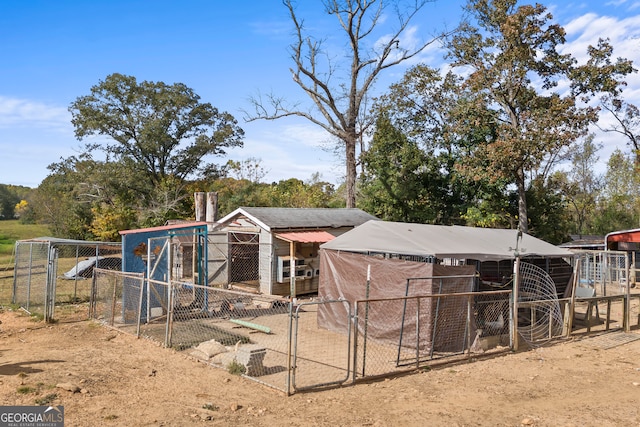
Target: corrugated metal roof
{"type": "Point", "coordinates": [279, 218]}
{"type": "Point", "coordinates": [166, 227]}
{"type": "Point", "coordinates": [306, 236]}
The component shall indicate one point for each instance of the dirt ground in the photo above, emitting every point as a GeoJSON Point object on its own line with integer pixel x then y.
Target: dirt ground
{"type": "Point", "coordinates": [107, 378]}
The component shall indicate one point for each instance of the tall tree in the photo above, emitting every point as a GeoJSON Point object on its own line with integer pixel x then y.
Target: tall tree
{"type": "Point", "coordinates": [60, 200]}
{"type": "Point", "coordinates": [513, 57]}
{"type": "Point", "coordinates": [339, 88]}
{"type": "Point", "coordinates": [581, 185]}
{"type": "Point", "coordinates": [419, 139]}
{"type": "Point", "coordinates": [619, 207]}
{"type": "Point", "coordinates": [548, 218]}
{"type": "Point", "coordinates": [163, 131]}
{"type": "Point", "coordinates": [399, 178]}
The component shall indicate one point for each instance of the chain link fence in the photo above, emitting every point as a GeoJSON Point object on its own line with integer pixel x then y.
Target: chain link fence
{"type": "Point", "coordinates": [244, 333]}
{"type": "Point", "coordinates": [58, 271]}
{"type": "Point", "coordinates": [321, 357]}
{"type": "Point", "coordinates": [281, 344]}
{"type": "Point", "coordinates": [115, 299]}
{"type": "Point", "coordinates": [431, 327]}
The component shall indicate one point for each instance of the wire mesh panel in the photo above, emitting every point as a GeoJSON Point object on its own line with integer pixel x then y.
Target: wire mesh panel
{"type": "Point", "coordinates": [241, 332]}
{"type": "Point", "coordinates": [602, 290]}
{"type": "Point", "coordinates": [321, 357]}
{"type": "Point", "coordinates": [51, 271]}
{"type": "Point", "coordinates": [377, 351]}
{"type": "Point", "coordinates": [493, 320]}
{"type": "Point", "coordinates": [115, 299]}
{"type": "Point", "coordinates": [403, 333]}
{"type": "Point", "coordinates": [539, 316]}
{"type": "Point", "coordinates": [617, 272]}
{"type": "Point", "coordinates": [75, 264]}
{"type": "Point", "coordinates": [244, 333]}
{"type": "Point", "coordinates": [604, 271]}
{"type": "Point", "coordinates": [30, 276]}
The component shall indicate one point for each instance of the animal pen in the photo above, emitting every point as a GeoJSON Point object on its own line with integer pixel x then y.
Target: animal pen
{"type": "Point", "coordinates": [48, 270]}
{"type": "Point", "coordinates": [285, 343]}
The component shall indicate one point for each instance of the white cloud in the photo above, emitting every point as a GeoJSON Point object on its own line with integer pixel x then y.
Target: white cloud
{"type": "Point", "coordinates": [624, 36]}
{"type": "Point", "coordinates": [25, 113]}
{"type": "Point", "coordinates": [290, 151]}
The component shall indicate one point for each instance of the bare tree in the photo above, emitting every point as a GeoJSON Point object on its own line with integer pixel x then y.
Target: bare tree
{"type": "Point", "coordinates": [339, 87]}
{"type": "Point", "coordinates": [626, 122]}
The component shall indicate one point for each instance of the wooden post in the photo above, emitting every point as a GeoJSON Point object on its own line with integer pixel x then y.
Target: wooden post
{"type": "Point", "coordinates": [516, 285]}
{"type": "Point", "coordinates": [212, 207]}
{"type": "Point", "coordinates": [201, 207]}
{"type": "Point", "coordinates": [572, 304]}
{"type": "Point", "coordinates": [627, 299]}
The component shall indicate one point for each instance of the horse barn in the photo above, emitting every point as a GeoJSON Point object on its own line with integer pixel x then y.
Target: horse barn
{"type": "Point", "coordinates": [265, 249]}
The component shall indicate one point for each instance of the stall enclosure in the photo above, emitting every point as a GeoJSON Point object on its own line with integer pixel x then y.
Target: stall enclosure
{"type": "Point", "coordinates": [358, 277]}
{"type": "Point", "coordinates": [159, 253]}
{"type": "Point", "coordinates": [379, 258]}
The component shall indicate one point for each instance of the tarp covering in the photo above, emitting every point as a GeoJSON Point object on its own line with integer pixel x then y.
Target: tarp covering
{"type": "Point", "coordinates": [457, 242]}
{"type": "Point", "coordinates": [81, 268]}
{"type": "Point", "coordinates": [344, 276]}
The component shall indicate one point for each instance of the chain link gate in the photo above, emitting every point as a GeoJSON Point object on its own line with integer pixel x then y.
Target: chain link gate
{"type": "Point", "coordinates": [320, 357]}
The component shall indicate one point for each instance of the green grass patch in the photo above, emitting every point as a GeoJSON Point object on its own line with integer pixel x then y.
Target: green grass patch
{"type": "Point", "coordinates": [25, 389]}
{"type": "Point", "coordinates": [236, 368]}
{"type": "Point", "coordinates": [46, 400]}
{"type": "Point", "coordinates": [13, 230]}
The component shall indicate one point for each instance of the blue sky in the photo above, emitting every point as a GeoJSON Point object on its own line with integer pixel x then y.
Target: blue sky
{"type": "Point", "coordinates": [53, 52]}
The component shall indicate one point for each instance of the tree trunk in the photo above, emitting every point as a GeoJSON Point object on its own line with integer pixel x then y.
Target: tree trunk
{"type": "Point", "coordinates": [351, 173]}
{"type": "Point", "coordinates": [523, 219]}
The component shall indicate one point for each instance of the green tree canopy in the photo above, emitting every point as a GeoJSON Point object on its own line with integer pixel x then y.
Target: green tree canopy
{"type": "Point", "coordinates": [513, 57]}
{"type": "Point", "coordinates": [162, 130]}
{"type": "Point", "coordinates": [8, 201]}
{"type": "Point", "coordinates": [427, 124]}
{"type": "Point", "coordinates": [619, 206]}
{"type": "Point", "coordinates": [581, 185]}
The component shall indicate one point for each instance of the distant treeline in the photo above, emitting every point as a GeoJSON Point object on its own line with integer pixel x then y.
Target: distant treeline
{"type": "Point", "coordinates": [10, 197]}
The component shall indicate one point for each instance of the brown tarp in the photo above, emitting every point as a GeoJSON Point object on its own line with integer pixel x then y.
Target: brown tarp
{"type": "Point", "coordinates": [344, 276]}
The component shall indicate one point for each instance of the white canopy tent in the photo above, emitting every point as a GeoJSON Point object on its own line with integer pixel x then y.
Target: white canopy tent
{"type": "Point", "coordinates": [440, 241]}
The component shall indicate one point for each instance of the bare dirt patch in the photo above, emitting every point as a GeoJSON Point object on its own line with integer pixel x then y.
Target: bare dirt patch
{"type": "Point", "coordinates": [118, 380]}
